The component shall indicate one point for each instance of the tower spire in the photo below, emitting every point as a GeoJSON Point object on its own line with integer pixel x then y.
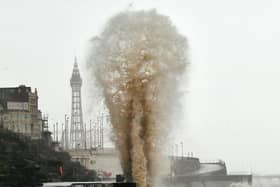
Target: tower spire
{"type": "Point", "coordinates": [75, 61]}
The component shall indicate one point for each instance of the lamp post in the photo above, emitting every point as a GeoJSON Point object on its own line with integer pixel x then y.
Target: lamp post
{"type": "Point", "coordinates": [176, 150]}
{"type": "Point", "coordinates": [54, 132]}
{"type": "Point", "coordinates": [85, 136]}
{"type": "Point", "coordinates": [90, 134]}
{"type": "Point", "coordinates": [66, 119]}
{"type": "Point", "coordinates": [57, 132]}
{"type": "Point", "coordinates": [182, 147]}
{"type": "Point", "coordinates": [62, 136]}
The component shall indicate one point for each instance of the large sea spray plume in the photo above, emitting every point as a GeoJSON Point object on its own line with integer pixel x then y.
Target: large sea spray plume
{"type": "Point", "coordinates": [137, 62]}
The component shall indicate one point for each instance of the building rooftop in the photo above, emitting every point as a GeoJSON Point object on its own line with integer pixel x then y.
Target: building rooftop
{"type": "Point", "coordinates": [16, 94]}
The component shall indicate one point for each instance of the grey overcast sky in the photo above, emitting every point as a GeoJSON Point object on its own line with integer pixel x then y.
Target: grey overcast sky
{"type": "Point", "coordinates": [233, 104]}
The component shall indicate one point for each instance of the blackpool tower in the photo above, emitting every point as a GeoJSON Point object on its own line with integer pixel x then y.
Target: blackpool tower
{"type": "Point", "coordinates": [77, 138]}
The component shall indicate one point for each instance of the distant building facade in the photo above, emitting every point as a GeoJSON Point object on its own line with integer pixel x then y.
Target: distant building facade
{"type": "Point", "coordinates": [19, 111]}
{"type": "Point", "coordinates": [104, 161]}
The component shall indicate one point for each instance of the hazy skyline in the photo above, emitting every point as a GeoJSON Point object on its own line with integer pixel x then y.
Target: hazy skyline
{"type": "Point", "coordinates": [233, 102]}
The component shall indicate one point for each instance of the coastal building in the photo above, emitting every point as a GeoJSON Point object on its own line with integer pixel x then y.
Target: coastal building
{"type": "Point", "coordinates": [191, 172]}
{"type": "Point", "coordinates": [19, 111]}
{"type": "Point", "coordinates": [104, 161]}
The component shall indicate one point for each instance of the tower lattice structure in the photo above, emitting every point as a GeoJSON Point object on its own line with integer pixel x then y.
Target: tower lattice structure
{"type": "Point", "coordinates": [77, 138]}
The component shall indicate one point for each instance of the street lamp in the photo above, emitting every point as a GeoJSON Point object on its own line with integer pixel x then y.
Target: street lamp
{"type": "Point", "coordinates": [176, 150]}
{"type": "Point", "coordinates": [182, 146]}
